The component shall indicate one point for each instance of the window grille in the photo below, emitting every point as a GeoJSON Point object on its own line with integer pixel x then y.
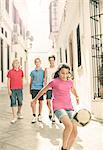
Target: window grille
{"type": "Point", "coordinates": [96, 18]}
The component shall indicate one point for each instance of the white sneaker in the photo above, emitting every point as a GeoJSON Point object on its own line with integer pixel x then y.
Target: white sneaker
{"type": "Point", "coordinates": [14, 120]}
{"type": "Point", "coordinates": [53, 120]}
{"type": "Point", "coordinates": [20, 116]}
{"type": "Point", "coordinates": [33, 120]}
{"type": "Point", "coordinates": [39, 118]}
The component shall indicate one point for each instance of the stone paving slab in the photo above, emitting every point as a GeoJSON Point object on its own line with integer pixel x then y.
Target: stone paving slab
{"type": "Point", "coordinates": [42, 136]}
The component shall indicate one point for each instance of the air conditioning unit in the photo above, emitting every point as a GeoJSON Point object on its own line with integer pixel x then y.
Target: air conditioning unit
{"type": "Point", "coordinates": [16, 29]}
{"type": "Point", "coordinates": [14, 38]}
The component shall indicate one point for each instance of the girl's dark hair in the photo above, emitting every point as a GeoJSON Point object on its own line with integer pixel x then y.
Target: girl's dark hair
{"type": "Point", "coordinates": [56, 75]}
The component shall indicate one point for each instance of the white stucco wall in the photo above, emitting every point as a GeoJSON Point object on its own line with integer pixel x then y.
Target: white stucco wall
{"type": "Point", "coordinates": [78, 13]}
{"type": "Point", "coordinates": [6, 23]}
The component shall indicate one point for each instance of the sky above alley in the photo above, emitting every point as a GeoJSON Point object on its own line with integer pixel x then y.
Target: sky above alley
{"type": "Point", "coordinates": [37, 18]}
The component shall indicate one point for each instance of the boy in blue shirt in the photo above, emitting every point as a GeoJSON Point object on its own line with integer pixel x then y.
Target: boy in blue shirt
{"type": "Point", "coordinates": [36, 84]}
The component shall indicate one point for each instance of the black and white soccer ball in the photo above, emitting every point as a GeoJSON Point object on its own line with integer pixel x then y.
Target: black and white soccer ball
{"type": "Point", "coordinates": [82, 117]}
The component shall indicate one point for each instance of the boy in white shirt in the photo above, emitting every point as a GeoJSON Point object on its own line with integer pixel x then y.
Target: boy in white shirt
{"type": "Point", "coordinates": [49, 73]}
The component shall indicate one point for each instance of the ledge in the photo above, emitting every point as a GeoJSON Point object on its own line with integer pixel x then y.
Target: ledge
{"type": "Point", "coordinates": [97, 108]}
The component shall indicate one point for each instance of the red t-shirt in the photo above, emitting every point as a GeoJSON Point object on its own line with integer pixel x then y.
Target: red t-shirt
{"type": "Point", "coordinates": [16, 77]}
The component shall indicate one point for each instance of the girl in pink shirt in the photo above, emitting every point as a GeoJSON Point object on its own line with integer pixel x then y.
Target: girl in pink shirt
{"type": "Point", "coordinates": [62, 105]}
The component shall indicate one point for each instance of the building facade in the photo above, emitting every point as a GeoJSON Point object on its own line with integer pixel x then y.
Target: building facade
{"type": "Point", "coordinates": [12, 39]}
{"type": "Point", "coordinates": [78, 42]}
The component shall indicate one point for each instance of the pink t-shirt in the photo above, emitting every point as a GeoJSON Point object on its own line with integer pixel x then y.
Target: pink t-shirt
{"type": "Point", "coordinates": [61, 94]}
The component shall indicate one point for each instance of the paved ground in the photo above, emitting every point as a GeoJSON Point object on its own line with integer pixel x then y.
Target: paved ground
{"type": "Point", "coordinates": [41, 136]}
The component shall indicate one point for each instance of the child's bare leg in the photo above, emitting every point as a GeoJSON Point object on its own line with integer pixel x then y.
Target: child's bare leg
{"type": "Point", "coordinates": [72, 137]}
{"type": "Point", "coordinates": [49, 105]}
{"type": "Point", "coordinates": [33, 106]}
{"type": "Point", "coordinates": [14, 111]}
{"type": "Point", "coordinates": [40, 106]}
{"type": "Point", "coordinates": [67, 131]}
{"type": "Point", "coordinates": [19, 109]}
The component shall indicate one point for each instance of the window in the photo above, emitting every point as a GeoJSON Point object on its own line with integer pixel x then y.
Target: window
{"type": "Point", "coordinates": [1, 61]}
{"type": "Point", "coordinates": [21, 59]}
{"type": "Point", "coordinates": [14, 14]}
{"type": "Point", "coordinates": [23, 32]}
{"type": "Point", "coordinates": [53, 16]}
{"type": "Point", "coordinates": [78, 46]}
{"type": "Point", "coordinates": [7, 5]}
{"type": "Point", "coordinates": [20, 23]}
{"type": "Point", "coordinates": [2, 30]}
{"type": "Point", "coordinates": [66, 59]}
{"type": "Point", "coordinates": [8, 57]}
{"type": "Point", "coordinates": [5, 34]}
{"type": "Point", "coordinates": [60, 55]}
{"type": "Point", "coordinates": [15, 54]}
{"type": "Point", "coordinates": [71, 54]}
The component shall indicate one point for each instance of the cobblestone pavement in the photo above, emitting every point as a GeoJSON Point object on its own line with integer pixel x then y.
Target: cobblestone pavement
{"type": "Point", "coordinates": [41, 136]}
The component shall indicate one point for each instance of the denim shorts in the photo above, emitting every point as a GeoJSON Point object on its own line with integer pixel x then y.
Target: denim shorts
{"type": "Point", "coordinates": [61, 113]}
{"type": "Point", "coordinates": [49, 94]}
{"type": "Point", "coordinates": [34, 93]}
{"type": "Point", "coordinates": [16, 97]}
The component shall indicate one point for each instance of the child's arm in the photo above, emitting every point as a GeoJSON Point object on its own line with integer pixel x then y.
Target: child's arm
{"type": "Point", "coordinates": [73, 90]}
{"type": "Point", "coordinates": [41, 92]}
{"type": "Point", "coordinates": [30, 84]}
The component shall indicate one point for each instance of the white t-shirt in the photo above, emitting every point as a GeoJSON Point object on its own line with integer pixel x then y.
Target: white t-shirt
{"type": "Point", "coordinates": [50, 73]}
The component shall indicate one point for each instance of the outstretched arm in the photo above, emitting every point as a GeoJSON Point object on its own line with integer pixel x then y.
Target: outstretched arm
{"type": "Point", "coordinates": [41, 92]}
{"type": "Point", "coordinates": [73, 90]}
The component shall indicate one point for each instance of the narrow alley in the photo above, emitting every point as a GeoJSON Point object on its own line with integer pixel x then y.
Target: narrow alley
{"type": "Point", "coordinates": [23, 135]}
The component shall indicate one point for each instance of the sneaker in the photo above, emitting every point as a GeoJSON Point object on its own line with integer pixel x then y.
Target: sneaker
{"type": "Point", "coordinates": [14, 120]}
{"type": "Point", "coordinates": [50, 115]}
{"type": "Point", "coordinates": [33, 120]}
{"type": "Point", "coordinates": [53, 120]}
{"type": "Point", "coordinates": [39, 118]}
{"type": "Point", "coordinates": [20, 116]}
{"type": "Point", "coordinates": [63, 148]}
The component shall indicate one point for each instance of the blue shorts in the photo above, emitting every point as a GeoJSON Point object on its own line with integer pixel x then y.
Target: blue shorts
{"type": "Point", "coordinates": [34, 93]}
{"type": "Point", "coordinates": [61, 113]}
{"type": "Point", "coordinates": [17, 96]}
{"type": "Point", "coordinates": [49, 94]}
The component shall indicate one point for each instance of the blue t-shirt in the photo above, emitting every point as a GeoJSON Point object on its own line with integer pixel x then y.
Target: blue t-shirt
{"type": "Point", "coordinates": [37, 79]}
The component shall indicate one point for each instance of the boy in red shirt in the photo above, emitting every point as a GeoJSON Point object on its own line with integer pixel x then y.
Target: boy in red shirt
{"type": "Point", "coordinates": [15, 86]}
